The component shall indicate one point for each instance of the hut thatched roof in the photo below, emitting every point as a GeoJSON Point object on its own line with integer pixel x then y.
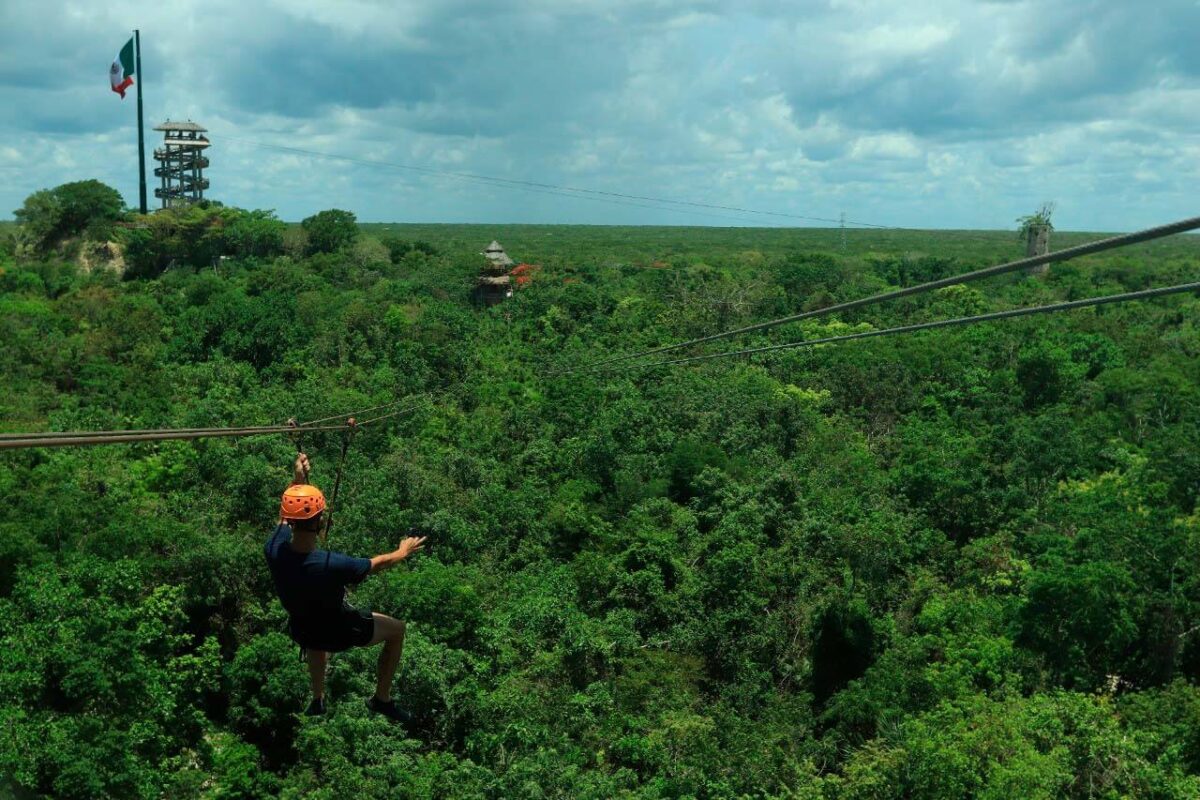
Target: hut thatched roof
{"type": "Point", "coordinates": [495, 254]}
{"type": "Point", "coordinates": [181, 126]}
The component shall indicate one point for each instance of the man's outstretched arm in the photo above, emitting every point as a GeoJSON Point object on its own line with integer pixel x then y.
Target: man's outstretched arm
{"type": "Point", "coordinates": [409, 546]}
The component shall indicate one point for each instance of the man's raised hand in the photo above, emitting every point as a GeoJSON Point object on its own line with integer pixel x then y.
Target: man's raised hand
{"type": "Point", "coordinates": [300, 472]}
{"type": "Point", "coordinates": [410, 545]}
{"type": "Point", "coordinates": [407, 547]}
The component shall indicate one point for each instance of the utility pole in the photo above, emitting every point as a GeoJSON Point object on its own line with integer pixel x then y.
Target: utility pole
{"type": "Point", "coordinates": [843, 231]}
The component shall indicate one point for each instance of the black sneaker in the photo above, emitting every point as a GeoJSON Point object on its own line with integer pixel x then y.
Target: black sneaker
{"type": "Point", "coordinates": [316, 708]}
{"type": "Point", "coordinates": [390, 710]}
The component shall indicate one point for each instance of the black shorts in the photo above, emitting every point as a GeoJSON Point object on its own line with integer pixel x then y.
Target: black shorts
{"type": "Point", "coordinates": [349, 628]}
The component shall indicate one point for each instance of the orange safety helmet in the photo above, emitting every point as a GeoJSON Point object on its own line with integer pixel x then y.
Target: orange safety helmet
{"type": "Point", "coordinates": [301, 501]}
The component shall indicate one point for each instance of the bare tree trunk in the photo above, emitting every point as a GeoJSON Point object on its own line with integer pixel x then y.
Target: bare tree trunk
{"type": "Point", "coordinates": [1037, 243]}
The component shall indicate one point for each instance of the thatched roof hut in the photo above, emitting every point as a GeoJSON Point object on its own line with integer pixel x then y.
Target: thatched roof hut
{"type": "Point", "coordinates": [498, 259]}
{"type": "Point", "coordinates": [494, 284]}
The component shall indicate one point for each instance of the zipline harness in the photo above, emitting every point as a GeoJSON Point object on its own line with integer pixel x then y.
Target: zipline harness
{"type": "Point", "coordinates": [347, 436]}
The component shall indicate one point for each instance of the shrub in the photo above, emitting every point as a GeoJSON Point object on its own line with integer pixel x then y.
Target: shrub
{"type": "Point", "coordinates": [331, 230]}
{"type": "Point", "coordinates": [51, 215]}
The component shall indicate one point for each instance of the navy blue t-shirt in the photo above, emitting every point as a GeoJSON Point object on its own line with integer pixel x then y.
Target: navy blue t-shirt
{"type": "Point", "coordinates": [312, 586]}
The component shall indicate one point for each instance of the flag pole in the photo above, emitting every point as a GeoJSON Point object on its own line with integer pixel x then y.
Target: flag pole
{"type": "Point", "coordinates": [137, 48]}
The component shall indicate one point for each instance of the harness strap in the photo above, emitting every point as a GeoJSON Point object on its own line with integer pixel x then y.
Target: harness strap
{"type": "Point", "coordinates": [351, 429]}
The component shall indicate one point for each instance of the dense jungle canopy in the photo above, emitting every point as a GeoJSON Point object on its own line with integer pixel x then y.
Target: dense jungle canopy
{"type": "Point", "coordinates": [963, 563]}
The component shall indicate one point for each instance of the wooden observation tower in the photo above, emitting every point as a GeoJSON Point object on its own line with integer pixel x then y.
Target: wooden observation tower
{"type": "Point", "coordinates": [182, 163]}
{"type": "Point", "coordinates": [495, 284]}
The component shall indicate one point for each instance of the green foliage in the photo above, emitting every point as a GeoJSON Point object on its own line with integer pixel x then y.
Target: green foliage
{"type": "Point", "coordinates": [1099, 606]}
{"type": "Point", "coordinates": [399, 249]}
{"type": "Point", "coordinates": [954, 564]}
{"type": "Point", "coordinates": [101, 680]}
{"type": "Point", "coordinates": [330, 231]}
{"type": "Point", "coordinates": [1038, 220]}
{"type": "Point", "coordinates": [40, 218]}
{"type": "Point", "coordinates": [50, 215]}
{"type": "Point", "coordinates": [254, 234]}
{"type": "Point", "coordinates": [199, 236]}
{"type": "Point", "coordinates": [1053, 745]}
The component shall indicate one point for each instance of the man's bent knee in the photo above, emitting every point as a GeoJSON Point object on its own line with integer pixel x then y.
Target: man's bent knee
{"type": "Point", "coordinates": [387, 629]}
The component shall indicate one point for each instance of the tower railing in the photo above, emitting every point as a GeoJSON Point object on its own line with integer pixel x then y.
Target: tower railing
{"type": "Point", "coordinates": [181, 163]}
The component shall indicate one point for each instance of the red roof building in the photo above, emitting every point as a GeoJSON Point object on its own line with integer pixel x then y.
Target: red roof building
{"type": "Point", "coordinates": [522, 274]}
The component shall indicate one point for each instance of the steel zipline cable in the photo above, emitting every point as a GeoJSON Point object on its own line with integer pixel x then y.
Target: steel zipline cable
{"type": "Point", "coordinates": [397, 412]}
{"type": "Point", "coordinates": [1098, 246]}
{"type": "Point", "coordinates": [71, 434]}
{"type": "Point", "coordinates": [1144, 294]}
{"type": "Point", "coordinates": [302, 426]}
{"type": "Point", "coordinates": [14, 441]}
{"type": "Point", "coordinates": [76, 439]}
{"type": "Point", "coordinates": [349, 428]}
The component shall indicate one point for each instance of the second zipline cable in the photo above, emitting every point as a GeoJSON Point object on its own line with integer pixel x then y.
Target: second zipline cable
{"type": "Point", "coordinates": [1145, 294]}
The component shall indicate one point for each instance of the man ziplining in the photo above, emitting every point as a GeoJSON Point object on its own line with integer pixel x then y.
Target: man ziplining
{"type": "Point", "coordinates": [312, 583]}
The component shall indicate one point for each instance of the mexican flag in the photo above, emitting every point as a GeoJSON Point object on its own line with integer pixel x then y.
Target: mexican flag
{"type": "Point", "coordinates": [120, 74]}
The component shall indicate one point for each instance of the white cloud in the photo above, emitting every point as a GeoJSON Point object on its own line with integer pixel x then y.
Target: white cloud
{"type": "Point", "coordinates": [886, 146]}
{"type": "Point", "coordinates": [885, 46]}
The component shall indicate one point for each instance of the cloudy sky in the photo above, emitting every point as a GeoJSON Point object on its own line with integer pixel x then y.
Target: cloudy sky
{"type": "Point", "coordinates": [923, 113]}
